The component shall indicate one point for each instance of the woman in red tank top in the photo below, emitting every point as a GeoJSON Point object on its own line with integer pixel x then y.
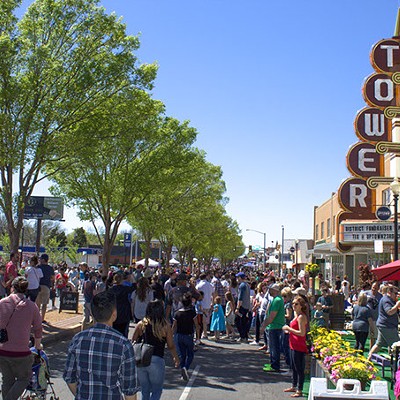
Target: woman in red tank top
{"type": "Point", "coordinates": [298, 346]}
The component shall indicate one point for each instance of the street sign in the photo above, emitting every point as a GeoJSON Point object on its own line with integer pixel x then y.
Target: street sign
{"type": "Point", "coordinates": [127, 239]}
{"type": "Point", "coordinates": [378, 246]}
{"type": "Point", "coordinates": [292, 249]}
{"type": "Point", "coordinates": [39, 207]}
{"type": "Point", "coordinates": [383, 213]}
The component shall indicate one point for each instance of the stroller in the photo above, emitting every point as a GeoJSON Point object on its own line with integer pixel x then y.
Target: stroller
{"type": "Point", "coordinates": [40, 385]}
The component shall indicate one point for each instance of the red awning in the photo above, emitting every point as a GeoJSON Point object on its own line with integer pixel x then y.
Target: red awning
{"type": "Point", "coordinates": [388, 272]}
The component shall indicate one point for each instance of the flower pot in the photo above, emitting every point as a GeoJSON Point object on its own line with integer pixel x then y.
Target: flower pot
{"type": "Point", "coordinates": [350, 386]}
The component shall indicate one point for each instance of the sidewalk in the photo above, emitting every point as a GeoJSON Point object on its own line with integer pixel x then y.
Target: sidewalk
{"type": "Point", "coordinates": [57, 328]}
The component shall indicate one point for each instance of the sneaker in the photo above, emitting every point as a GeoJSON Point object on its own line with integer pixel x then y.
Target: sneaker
{"type": "Point", "coordinates": [263, 348]}
{"type": "Point", "coordinates": [197, 342]}
{"type": "Point", "coordinates": [268, 368]}
{"type": "Point", "coordinates": [254, 343]}
{"type": "Point", "coordinates": [244, 340]}
{"type": "Point", "coordinates": [185, 374]}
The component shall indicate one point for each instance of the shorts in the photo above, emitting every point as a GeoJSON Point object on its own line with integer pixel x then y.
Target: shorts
{"type": "Point", "coordinates": [206, 315]}
{"type": "Point", "coordinates": [373, 331]}
{"type": "Point", "coordinates": [386, 337]}
{"type": "Point", "coordinates": [43, 296]}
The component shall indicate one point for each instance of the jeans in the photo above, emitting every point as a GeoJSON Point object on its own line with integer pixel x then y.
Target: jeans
{"type": "Point", "coordinates": [151, 378]}
{"type": "Point", "coordinates": [185, 347]}
{"type": "Point", "coordinates": [16, 373]}
{"type": "Point", "coordinates": [298, 361]}
{"type": "Point", "coordinates": [259, 321]}
{"type": "Point", "coordinates": [87, 313]}
{"type": "Point", "coordinates": [285, 348]}
{"type": "Point", "coordinates": [241, 323]}
{"type": "Point", "coordinates": [274, 336]}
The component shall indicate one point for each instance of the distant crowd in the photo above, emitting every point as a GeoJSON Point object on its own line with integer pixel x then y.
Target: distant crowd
{"type": "Point", "coordinates": [178, 310]}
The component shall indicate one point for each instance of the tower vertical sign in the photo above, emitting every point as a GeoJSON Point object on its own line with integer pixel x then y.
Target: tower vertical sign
{"type": "Point", "coordinates": [373, 128]}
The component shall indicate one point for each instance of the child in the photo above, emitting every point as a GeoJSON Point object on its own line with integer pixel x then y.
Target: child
{"type": "Point", "coordinates": [218, 319]}
{"type": "Point", "coordinates": [229, 314]}
{"type": "Point", "coordinates": [199, 315]}
{"type": "Point", "coordinates": [318, 317]}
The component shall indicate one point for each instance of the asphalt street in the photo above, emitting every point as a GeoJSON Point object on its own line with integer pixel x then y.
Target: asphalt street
{"type": "Point", "coordinates": [226, 370]}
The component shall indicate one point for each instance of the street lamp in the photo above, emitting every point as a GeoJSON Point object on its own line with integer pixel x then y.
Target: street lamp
{"type": "Point", "coordinates": [395, 188]}
{"type": "Point", "coordinates": [261, 233]}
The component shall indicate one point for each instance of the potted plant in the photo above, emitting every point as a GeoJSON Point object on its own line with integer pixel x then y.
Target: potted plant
{"type": "Point", "coordinates": [312, 270]}
{"type": "Point", "coordinates": [353, 367]}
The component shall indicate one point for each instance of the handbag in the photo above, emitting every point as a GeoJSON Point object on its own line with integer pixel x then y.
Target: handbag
{"type": "Point", "coordinates": [3, 331]}
{"type": "Point", "coordinates": [143, 352]}
{"type": "Point", "coordinates": [3, 335]}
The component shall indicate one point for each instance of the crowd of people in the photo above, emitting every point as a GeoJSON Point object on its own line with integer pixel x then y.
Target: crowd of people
{"type": "Point", "coordinates": [179, 310]}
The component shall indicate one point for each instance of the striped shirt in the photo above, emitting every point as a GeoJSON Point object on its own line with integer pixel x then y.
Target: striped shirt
{"type": "Point", "coordinates": [102, 363]}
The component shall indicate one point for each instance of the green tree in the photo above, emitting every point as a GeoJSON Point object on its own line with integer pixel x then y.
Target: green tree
{"type": "Point", "coordinates": [55, 251]}
{"type": "Point", "coordinates": [114, 176]}
{"type": "Point", "coordinates": [58, 235]}
{"type": "Point", "coordinates": [71, 253]}
{"type": "Point", "coordinates": [181, 190]}
{"type": "Point", "coordinates": [60, 62]}
{"type": "Point", "coordinates": [79, 238]}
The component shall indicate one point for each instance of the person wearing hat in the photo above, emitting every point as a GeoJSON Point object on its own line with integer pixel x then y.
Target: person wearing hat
{"type": "Point", "coordinates": [274, 322]}
{"type": "Point", "coordinates": [170, 283]}
{"type": "Point", "coordinates": [46, 283]}
{"type": "Point", "coordinates": [242, 307]}
{"type": "Point", "coordinates": [174, 297]}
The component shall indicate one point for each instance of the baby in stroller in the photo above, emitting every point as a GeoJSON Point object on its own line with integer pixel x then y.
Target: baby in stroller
{"type": "Point", "coordinates": [40, 385]}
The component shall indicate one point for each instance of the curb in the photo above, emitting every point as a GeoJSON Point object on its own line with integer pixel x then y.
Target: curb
{"type": "Point", "coordinates": [63, 335]}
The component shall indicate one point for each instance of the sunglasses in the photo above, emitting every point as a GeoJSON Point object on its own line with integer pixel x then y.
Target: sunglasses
{"type": "Point", "coordinates": [295, 304]}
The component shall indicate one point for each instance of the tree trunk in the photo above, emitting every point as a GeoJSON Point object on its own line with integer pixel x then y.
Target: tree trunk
{"type": "Point", "coordinates": [168, 251]}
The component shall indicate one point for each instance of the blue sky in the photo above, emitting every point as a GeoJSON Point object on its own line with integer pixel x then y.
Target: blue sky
{"type": "Point", "coordinates": [273, 88]}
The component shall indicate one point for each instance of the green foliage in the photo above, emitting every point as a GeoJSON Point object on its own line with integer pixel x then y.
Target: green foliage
{"type": "Point", "coordinates": [60, 63]}
{"type": "Point", "coordinates": [55, 251]}
{"type": "Point", "coordinates": [71, 253]}
{"type": "Point", "coordinates": [79, 238]}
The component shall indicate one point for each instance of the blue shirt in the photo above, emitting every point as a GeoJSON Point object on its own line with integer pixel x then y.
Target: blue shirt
{"type": "Point", "coordinates": [102, 363]}
{"type": "Point", "coordinates": [385, 320]}
{"type": "Point", "coordinates": [360, 316]}
{"type": "Point", "coordinates": [244, 295]}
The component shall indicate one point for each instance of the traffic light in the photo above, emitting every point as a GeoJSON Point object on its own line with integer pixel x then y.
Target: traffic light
{"type": "Point", "coordinates": [250, 248]}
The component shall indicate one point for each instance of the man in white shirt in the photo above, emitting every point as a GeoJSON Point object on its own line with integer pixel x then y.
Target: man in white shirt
{"type": "Point", "coordinates": [33, 275]}
{"type": "Point", "coordinates": [208, 291]}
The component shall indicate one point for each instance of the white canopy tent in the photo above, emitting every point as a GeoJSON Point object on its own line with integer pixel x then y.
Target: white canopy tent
{"type": "Point", "coordinates": [172, 261]}
{"type": "Point", "coordinates": [151, 263]}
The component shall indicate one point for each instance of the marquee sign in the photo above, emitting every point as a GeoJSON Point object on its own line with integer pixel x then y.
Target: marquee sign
{"type": "Point", "coordinates": [366, 232]}
{"type": "Point", "coordinates": [373, 127]}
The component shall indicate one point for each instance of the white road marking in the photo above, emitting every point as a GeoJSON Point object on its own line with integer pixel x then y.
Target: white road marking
{"type": "Point", "coordinates": [186, 392]}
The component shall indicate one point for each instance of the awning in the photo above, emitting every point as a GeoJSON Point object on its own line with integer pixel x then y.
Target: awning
{"type": "Point", "coordinates": [388, 272]}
